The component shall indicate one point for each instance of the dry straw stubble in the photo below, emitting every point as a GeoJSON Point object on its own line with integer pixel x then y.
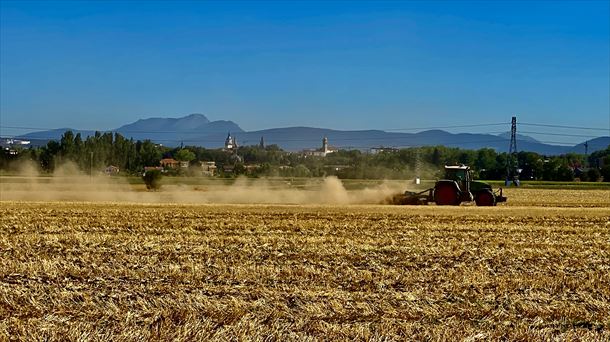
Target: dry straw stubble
{"type": "Point", "coordinates": [127, 271]}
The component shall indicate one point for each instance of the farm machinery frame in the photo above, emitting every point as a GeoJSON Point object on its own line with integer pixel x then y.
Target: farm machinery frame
{"type": "Point", "coordinates": [456, 187]}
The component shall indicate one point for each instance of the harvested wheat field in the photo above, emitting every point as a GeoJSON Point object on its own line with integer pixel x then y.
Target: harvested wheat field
{"type": "Point", "coordinates": [120, 271]}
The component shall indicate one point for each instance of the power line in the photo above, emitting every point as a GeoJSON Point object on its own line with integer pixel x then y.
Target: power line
{"type": "Point", "coordinates": [563, 126]}
{"type": "Point", "coordinates": [396, 139]}
{"type": "Point", "coordinates": [23, 127]}
{"type": "Point", "coordinates": [272, 141]}
{"type": "Point", "coordinates": [208, 139]}
{"type": "Point", "coordinates": [106, 131]}
{"type": "Point", "coordinates": [561, 134]}
{"type": "Point", "coordinates": [443, 127]}
{"type": "Point", "coordinates": [294, 140]}
{"type": "Point", "coordinates": [339, 138]}
{"type": "Point", "coordinates": [269, 133]}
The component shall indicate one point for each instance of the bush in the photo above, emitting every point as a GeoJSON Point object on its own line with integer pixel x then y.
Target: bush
{"type": "Point", "coordinates": [593, 175]}
{"type": "Point", "coordinates": [152, 179]}
{"type": "Point", "coordinates": [605, 172]}
{"type": "Point", "coordinates": [565, 174]}
{"type": "Point", "coordinates": [301, 171]}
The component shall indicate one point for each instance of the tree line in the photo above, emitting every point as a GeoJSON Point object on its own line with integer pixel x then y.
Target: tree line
{"type": "Point", "coordinates": [100, 150]}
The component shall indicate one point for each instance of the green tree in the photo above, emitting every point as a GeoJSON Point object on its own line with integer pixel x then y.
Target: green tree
{"type": "Point", "coordinates": [549, 169]}
{"type": "Point", "coordinates": [605, 172]}
{"type": "Point", "coordinates": [593, 174]}
{"type": "Point", "coordinates": [49, 156]}
{"type": "Point", "coordinates": [149, 154]}
{"type": "Point", "coordinates": [67, 146]}
{"type": "Point", "coordinates": [184, 155]}
{"type": "Point", "coordinates": [301, 171]}
{"type": "Point", "coordinates": [485, 159]}
{"type": "Point", "coordinates": [152, 179]}
{"type": "Point", "coordinates": [531, 164]}
{"type": "Point", "coordinates": [565, 173]}
{"type": "Point", "coordinates": [435, 159]}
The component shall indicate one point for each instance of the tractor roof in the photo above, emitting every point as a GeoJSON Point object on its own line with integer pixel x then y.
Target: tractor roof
{"type": "Point", "coordinates": [456, 167]}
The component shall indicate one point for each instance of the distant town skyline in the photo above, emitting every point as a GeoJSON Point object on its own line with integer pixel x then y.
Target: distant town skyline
{"type": "Point", "coordinates": [339, 65]}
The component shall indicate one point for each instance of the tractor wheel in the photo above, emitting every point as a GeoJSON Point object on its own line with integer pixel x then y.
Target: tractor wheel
{"type": "Point", "coordinates": [445, 194]}
{"type": "Point", "coordinates": [485, 199]}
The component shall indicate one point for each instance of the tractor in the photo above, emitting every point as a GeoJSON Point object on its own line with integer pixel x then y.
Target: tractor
{"type": "Point", "coordinates": [456, 187]}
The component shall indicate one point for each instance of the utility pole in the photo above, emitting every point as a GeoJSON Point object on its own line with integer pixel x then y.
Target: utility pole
{"type": "Point", "coordinates": [511, 160]}
{"type": "Point", "coordinates": [587, 147]}
{"type": "Point", "coordinates": [586, 153]}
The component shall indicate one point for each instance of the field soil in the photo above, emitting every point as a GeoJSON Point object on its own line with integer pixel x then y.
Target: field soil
{"type": "Point", "coordinates": [537, 268]}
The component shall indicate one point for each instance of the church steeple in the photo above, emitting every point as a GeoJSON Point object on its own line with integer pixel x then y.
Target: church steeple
{"type": "Point", "coordinates": [230, 142]}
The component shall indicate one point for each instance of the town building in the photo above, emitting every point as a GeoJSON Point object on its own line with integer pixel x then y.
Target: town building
{"type": "Point", "coordinates": [10, 142]}
{"type": "Point", "coordinates": [169, 163]}
{"type": "Point", "coordinates": [321, 152]}
{"type": "Point", "coordinates": [208, 168]}
{"type": "Point", "coordinates": [381, 149]}
{"type": "Point", "coordinates": [230, 143]}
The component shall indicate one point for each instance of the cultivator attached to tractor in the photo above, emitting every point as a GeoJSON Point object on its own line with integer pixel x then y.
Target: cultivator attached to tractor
{"type": "Point", "coordinates": [457, 187]}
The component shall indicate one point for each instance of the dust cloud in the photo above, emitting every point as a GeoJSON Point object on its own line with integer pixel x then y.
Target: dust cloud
{"type": "Point", "coordinates": [330, 191]}
{"type": "Point", "coordinates": [67, 183]}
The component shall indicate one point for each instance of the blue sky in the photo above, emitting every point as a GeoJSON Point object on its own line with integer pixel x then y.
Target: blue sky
{"type": "Point", "coordinates": [342, 65]}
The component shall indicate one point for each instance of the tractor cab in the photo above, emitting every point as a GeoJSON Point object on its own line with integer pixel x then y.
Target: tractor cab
{"type": "Point", "coordinates": [458, 186]}
{"type": "Point", "coordinates": [461, 174]}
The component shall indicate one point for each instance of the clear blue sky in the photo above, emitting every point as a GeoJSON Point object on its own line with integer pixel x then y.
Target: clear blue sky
{"type": "Point", "coordinates": [342, 65]}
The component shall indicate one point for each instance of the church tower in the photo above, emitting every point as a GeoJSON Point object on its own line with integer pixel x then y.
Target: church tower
{"type": "Point", "coordinates": [230, 142]}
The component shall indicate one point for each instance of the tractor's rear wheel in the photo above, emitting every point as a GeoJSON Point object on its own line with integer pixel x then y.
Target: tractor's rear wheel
{"type": "Point", "coordinates": [445, 194]}
{"type": "Point", "coordinates": [485, 199]}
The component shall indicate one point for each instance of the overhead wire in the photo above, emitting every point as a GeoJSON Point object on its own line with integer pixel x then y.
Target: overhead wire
{"type": "Point", "coordinates": [269, 131]}
{"type": "Point", "coordinates": [564, 126]}
{"type": "Point", "coordinates": [208, 139]}
{"type": "Point", "coordinates": [395, 140]}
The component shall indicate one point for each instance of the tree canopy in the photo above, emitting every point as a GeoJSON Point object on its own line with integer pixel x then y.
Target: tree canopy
{"type": "Point", "coordinates": [104, 149]}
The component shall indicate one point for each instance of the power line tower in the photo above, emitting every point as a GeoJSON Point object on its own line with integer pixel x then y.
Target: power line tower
{"type": "Point", "coordinates": [586, 153]}
{"type": "Point", "coordinates": [511, 160]}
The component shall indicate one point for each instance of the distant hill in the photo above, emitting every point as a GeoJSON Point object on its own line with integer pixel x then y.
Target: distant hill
{"type": "Point", "coordinates": [189, 122]}
{"type": "Point", "coordinates": [174, 131]}
{"type": "Point", "coordinates": [167, 131]}
{"type": "Point", "coordinates": [196, 129]}
{"type": "Point", "coordinates": [42, 137]}
{"type": "Point", "coordinates": [520, 137]}
{"type": "Point", "coordinates": [296, 138]}
{"type": "Point", "coordinates": [596, 144]}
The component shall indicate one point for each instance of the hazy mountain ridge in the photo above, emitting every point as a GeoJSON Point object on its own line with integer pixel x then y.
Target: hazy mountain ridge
{"type": "Point", "coordinates": [506, 135]}
{"type": "Point", "coordinates": [596, 144]}
{"type": "Point", "coordinates": [197, 129]}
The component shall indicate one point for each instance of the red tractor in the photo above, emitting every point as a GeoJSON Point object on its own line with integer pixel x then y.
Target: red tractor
{"type": "Point", "coordinates": [456, 187]}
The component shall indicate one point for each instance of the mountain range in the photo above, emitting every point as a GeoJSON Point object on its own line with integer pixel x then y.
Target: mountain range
{"type": "Point", "coordinates": [196, 129]}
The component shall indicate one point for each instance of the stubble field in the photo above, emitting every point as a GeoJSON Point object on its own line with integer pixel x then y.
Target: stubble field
{"type": "Point", "coordinates": [537, 269]}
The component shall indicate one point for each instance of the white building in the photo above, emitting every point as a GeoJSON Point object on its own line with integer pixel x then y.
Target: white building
{"type": "Point", "coordinates": [208, 168]}
{"type": "Point", "coordinates": [230, 143]}
{"type": "Point", "coordinates": [321, 152]}
{"type": "Point", "coordinates": [381, 149]}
